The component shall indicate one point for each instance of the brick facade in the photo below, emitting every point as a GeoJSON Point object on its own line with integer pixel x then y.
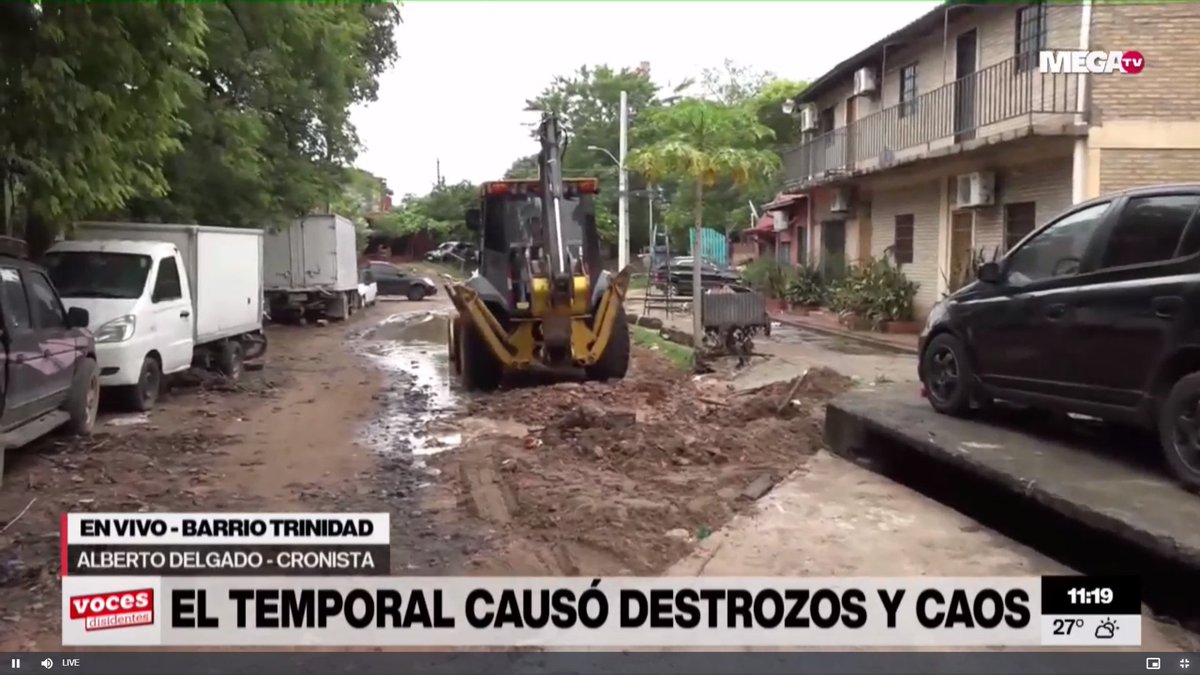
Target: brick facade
{"type": "Point", "coordinates": [1123, 169]}
{"type": "Point", "coordinates": [1165, 34]}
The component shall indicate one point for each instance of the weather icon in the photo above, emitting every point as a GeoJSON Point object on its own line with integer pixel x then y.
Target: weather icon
{"type": "Point", "coordinates": [1106, 630]}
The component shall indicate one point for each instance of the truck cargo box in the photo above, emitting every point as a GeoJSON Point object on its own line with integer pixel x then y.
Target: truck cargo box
{"type": "Point", "coordinates": [224, 267]}
{"type": "Point", "coordinates": [316, 253]}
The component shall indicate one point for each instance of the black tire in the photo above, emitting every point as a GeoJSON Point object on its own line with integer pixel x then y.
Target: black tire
{"type": "Point", "coordinates": [257, 346]}
{"type": "Point", "coordinates": [231, 359]}
{"type": "Point", "coordinates": [84, 400]}
{"type": "Point", "coordinates": [478, 368]}
{"type": "Point", "coordinates": [614, 361]}
{"type": "Point", "coordinates": [142, 396]}
{"type": "Point", "coordinates": [453, 330]}
{"type": "Point", "coordinates": [1178, 427]}
{"type": "Point", "coordinates": [949, 376]}
{"type": "Point", "coordinates": [415, 293]}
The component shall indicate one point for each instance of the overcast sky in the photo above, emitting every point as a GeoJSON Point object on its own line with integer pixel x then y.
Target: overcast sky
{"type": "Point", "coordinates": [466, 68]}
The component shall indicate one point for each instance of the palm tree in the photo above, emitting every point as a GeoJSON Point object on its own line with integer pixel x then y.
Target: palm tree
{"type": "Point", "coordinates": [704, 141]}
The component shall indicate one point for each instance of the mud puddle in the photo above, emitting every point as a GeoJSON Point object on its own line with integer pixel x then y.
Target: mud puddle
{"type": "Point", "coordinates": [410, 349]}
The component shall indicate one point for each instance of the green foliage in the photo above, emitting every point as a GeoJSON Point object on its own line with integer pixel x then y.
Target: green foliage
{"type": "Point", "coordinates": [228, 113]}
{"type": "Point", "coordinates": [876, 290]}
{"type": "Point", "coordinates": [91, 96]}
{"type": "Point", "coordinates": [806, 287]}
{"type": "Point", "coordinates": [440, 213]}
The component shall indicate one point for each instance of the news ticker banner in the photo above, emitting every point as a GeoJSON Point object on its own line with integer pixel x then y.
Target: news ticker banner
{"type": "Point", "coordinates": [615, 612]}
{"type": "Point", "coordinates": [226, 544]}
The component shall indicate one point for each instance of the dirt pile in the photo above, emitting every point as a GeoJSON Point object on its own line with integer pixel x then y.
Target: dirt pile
{"type": "Point", "coordinates": [624, 477]}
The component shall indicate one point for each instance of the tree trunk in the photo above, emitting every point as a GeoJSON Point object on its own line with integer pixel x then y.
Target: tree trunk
{"type": "Point", "coordinates": [39, 235]}
{"type": "Point", "coordinates": [697, 266]}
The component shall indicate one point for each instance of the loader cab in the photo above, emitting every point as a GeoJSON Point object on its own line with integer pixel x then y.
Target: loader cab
{"type": "Point", "coordinates": [510, 217]}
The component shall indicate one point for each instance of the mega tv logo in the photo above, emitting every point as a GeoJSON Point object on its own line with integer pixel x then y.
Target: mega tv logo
{"type": "Point", "coordinates": [122, 609]}
{"type": "Point", "coordinates": [1095, 63]}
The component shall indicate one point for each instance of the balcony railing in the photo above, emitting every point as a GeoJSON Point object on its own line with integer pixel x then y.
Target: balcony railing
{"type": "Point", "coordinates": [998, 98]}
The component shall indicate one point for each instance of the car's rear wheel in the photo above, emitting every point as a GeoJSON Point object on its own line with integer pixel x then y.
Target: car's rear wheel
{"type": "Point", "coordinates": [948, 375]}
{"type": "Point", "coordinates": [84, 400]}
{"type": "Point", "coordinates": [1179, 430]}
{"type": "Point", "coordinates": [416, 293]}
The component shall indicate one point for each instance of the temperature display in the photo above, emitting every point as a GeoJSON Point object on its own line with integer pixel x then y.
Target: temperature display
{"type": "Point", "coordinates": [1091, 611]}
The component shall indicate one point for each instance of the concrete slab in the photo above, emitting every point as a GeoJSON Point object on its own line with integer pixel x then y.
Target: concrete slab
{"type": "Point", "coordinates": [1120, 494]}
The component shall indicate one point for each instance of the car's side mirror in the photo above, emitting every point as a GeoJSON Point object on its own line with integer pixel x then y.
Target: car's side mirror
{"type": "Point", "coordinates": [473, 218]}
{"type": "Point", "coordinates": [989, 273]}
{"type": "Point", "coordinates": [77, 317]}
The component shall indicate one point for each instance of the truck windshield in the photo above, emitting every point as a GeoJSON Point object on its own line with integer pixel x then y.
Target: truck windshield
{"type": "Point", "coordinates": [95, 274]}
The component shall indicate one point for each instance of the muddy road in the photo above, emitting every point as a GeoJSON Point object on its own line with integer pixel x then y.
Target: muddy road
{"type": "Point", "coordinates": [640, 476]}
{"type": "Point", "coordinates": [571, 478]}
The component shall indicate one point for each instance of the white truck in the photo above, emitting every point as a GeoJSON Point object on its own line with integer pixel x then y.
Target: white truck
{"type": "Point", "coordinates": [162, 298]}
{"type": "Point", "coordinates": [311, 269]}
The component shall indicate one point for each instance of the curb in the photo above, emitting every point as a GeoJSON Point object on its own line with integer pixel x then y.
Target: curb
{"type": "Point", "coordinates": [848, 335]}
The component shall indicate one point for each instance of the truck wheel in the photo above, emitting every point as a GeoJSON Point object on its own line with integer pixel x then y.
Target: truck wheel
{"type": "Point", "coordinates": [84, 399]}
{"type": "Point", "coordinates": [231, 359]}
{"type": "Point", "coordinates": [416, 293]}
{"type": "Point", "coordinates": [614, 362]}
{"type": "Point", "coordinates": [142, 396]}
{"type": "Point", "coordinates": [479, 369]}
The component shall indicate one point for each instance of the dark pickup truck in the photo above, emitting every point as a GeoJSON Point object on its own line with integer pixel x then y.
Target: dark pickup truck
{"type": "Point", "coordinates": [50, 377]}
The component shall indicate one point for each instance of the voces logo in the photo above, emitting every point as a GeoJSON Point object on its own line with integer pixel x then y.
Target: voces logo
{"type": "Point", "coordinates": [122, 609]}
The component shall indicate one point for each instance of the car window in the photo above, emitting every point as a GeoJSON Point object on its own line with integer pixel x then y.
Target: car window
{"type": "Point", "coordinates": [167, 286]}
{"type": "Point", "coordinates": [47, 309]}
{"type": "Point", "coordinates": [368, 277]}
{"type": "Point", "coordinates": [1056, 251]}
{"type": "Point", "coordinates": [16, 305]}
{"type": "Point", "coordinates": [1148, 230]}
{"type": "Point", "coordinates": [384, 270]}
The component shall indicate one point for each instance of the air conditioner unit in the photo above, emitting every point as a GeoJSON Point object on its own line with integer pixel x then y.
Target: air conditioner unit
{"type": "Point", "coordinates": [864, 81]}
{"type": "Point", "coordinates": [808, 118]}
{"type": "Point", "coordinates": [975, 189]}
{"type": "Point", "coordinates": [841, 202]}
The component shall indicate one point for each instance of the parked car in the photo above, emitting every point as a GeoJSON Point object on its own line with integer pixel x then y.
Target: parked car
{"type": "Point", "coordinates": [1094, 313]}
{"type": "Point", "coordinates": [368, 290]}
{"type": "Point", "coordinates": [50, 373]}
{"type": "Point", "coordinates": [392, 280]}
{"type": "Point", "coordinates": [452, 251]}
{"type": "Point", "coordinates": [678, 274]}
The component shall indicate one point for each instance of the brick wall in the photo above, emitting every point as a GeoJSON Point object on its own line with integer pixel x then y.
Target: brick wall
{"type": "Point", "coordinates": [1124, 169]}
{"type": "Point", "coordinates": [1166, 35]}
{"type": "Point", "coordinates": [1046, 183]}
{"type": "Point", "coordinates": [922, 201]}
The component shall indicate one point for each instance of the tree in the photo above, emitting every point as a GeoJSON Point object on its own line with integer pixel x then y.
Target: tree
{"type": "Point", "coordinates": [441, 212]}
{"type": "Point", "coordinates": [270, 135]}
{"type": "Point", "coordinates": [705, 141]}
{"type": "Point", "coordinates": [90, 96]}
{"type": "Point", "coordinates": [589, 103]}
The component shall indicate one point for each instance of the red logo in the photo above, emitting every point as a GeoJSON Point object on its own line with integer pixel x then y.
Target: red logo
{"type": "Point", "coordinates": [1132, 63]}
{"type": "Point", "coordinates": [122, 609]}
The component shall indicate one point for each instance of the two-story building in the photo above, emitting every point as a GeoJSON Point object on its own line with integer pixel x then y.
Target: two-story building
{"type": "Point", "coordinates": [948, 141]}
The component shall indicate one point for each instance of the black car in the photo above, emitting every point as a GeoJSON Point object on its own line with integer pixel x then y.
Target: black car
{"type": "Point", "coordinates": [392, 280]}
{"type": "Point", "coordinates": [49, 357]}
{"type": "Point", "coordinates": [677, 273]}
{"type": "Point", "coordinates": [1095, 313]}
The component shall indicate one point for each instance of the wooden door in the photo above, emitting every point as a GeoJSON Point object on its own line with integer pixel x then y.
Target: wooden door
{"type": "Point", "coordinates": [965, 89]}
{"type": "Point", "coordinates": [962, 232]}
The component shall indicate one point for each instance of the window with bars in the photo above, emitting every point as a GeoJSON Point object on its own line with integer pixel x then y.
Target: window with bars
{"type": "Point", "coordinates": [1030, 35]}
{"type": "Point", "coordinates": [1019, 220]}
{"type": "Point", "coordinates": [908, 90]}
{"type": "Point", "coordinates": [902, 249]}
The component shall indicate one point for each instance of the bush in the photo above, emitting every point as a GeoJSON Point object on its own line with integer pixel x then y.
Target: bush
{"type": "Point", "coordinates": [875, 290]}
{"type": "Point", "coordinates": [806, 287]}
{"type": "Point", "coordinates": [767, 276]}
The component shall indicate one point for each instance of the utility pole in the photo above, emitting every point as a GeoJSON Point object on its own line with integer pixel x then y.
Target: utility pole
{"type": "Point", "coordinates": [439, 173]}
{"type": "Point", "coordinates": [623, 188]}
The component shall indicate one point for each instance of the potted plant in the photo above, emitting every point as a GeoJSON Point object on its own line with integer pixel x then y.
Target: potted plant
{"type": "Point", "coordinates": [875, 295]}
{"type": "Point", "coordinates": [806, 289]}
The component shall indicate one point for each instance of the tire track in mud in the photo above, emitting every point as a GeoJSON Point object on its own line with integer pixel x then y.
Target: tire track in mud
{"type": "Point", "coordinates": [417, 395]}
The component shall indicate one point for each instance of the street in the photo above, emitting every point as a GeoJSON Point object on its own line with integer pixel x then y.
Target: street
{"type": "Point", "coordinates": [662, 472]}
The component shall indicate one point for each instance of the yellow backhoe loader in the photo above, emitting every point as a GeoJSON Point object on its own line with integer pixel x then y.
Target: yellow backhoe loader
{"type": "Point", "coordinates": [539, 299]}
